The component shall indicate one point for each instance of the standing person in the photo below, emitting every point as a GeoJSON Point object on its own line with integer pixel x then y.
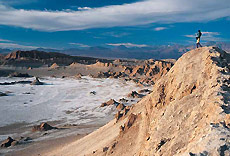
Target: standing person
{"type": "Point", "coordinates": [198, 39]}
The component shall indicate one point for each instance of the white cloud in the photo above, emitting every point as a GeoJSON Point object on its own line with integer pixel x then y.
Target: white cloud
{"type": "Point", "coordinates": [3, 40]}
{"type": "Point", "coordinates": [80, 45]}
{"type": "Point", "coordinates": [160, 28]}
{"type": "Point", "coordinates": [16, 46]}
{"type": "Point", "coordinates": [138, 13]}
{"type": "Point", "coordinates": [8, 44]}
{"type": "Point", "coordinates": [211, 33]}
{"type": "Point", "coordinates": [208, 36]}
{"type": "Point", "coordinates": [129, 45]}
{"type": "Point", "coordinates": [115, 34]}
{"type": "Point", "coordinates": [84, 8]}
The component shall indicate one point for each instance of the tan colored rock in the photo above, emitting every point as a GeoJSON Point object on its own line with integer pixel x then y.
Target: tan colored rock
{"type": "Point", "coordinates": [74, 64]}
{"type": "Point", "coordinates": [101, 64]}
{"type": "Point", "coordinates": [78, 76]}
{"type": "Point", "coordinates": [110, 102]}
{"type": "Point", "coordinates": [117, 61]}
{"type": "Point", "coordinates": [131, 119]}
{"type": "Point", "coordinates": [103, 75]}
{"type": "Point", "coordinates": [54, 66]}
{"type": "Point", "coordinates": [43, 127]}
{"type": "Point", "coordinates": [120, 106]}
{"type": "Point", "coordinates": [8, 142]}
{"type": "Point", "coordinates": [37, 82]}
{"type": "Point", "coordinates": [134, 94]}
{"type": "Point", "coordinates": [123, 100]}
{"type": "Point", "coordinates": [126, 110]}
{"type": "Point", "coordinates": [137, 71]}
{"type": "Point", "coordinates": [118, 115]}
{"type": "Point", "coordinates": [128, 70]}
{"type": "Point", "coordinates": [187, 113]}
{"type": "Point", "coordinates": [144, 91]}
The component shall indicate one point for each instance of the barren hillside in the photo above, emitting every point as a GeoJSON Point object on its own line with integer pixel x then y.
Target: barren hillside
{"type": "Point", "coordinates": [186, 114]}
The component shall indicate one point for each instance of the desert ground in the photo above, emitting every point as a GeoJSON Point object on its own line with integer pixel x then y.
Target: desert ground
{"type": "Point", "coordinates": [52, 84]}
{"type": "Point", "coordinates": [182, 108]}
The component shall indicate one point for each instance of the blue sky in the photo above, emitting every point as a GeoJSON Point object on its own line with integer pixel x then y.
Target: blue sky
{"type": "Point", "coordinates": [60, 24]}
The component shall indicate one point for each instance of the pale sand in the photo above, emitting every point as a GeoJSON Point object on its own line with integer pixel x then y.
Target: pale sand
{"type": "Point", "coordinates": [42, 147]}
{"type": "Point", "coordinates": [92, 142]}
{"type": "Point", "coordinates": [53, 142]}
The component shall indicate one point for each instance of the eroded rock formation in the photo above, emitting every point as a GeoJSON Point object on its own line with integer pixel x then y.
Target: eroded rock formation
{"type": "Point", "coordinates": [187, 113]}
{"type": "Point", "coordinates": [43, 127]}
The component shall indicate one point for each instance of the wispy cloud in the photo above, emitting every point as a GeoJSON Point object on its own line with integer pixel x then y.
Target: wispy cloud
{"type": "Point", "coordinates": [3, 40]}
{"type": "Point", "coordinates": [16, 46]}
{"type": "Point", "coordinates": [80, 45]}
{"type": "Point", "coordinates": [115, 34]}
{"type": "Point", "coordinates": [84, 8]}
{"type": "Point", "coordinates": [208, 36]}
{"type": "Point", "coordinates": [160, 28]}
{"type": "Point", "coordinates": [129, 45]}
{"type": "Point", "coordinates": [138, 13]}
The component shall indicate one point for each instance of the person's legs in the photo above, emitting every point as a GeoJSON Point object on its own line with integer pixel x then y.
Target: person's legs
{"type": "Point", "coordinates": [198, 43]}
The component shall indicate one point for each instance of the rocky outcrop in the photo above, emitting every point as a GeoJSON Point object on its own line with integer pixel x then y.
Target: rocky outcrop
{"type": "Point", "coordinates": [54, 66]}
{"type": "Point", "coordinates": [36, 82]}
{"type": "Point", "coordinates": [102, 64]}
{"type": "Point", "coordinates": [74, 64]}
{"type": "Point", "coordinates": [103, 75]}
{"type": "Point", "coordinates": [15, 82]}
{"type": "Point", "coordinates": [130, 121]}
{"type": "Point", "coordinates": [8, 142]}
{"type": "Point", "coordinates": [109, 103]}
{"type": "Point", "coordinates": [35, 58]}
{"type": "Point", "coordinates": [118, 115]}
{"type": "Point", "coordinates": [144, 91]}
{"type": "Point", "coordinates": [39, 55]}
{"type": "Point", "coordinates": [185, 110]}
{"type": "Point", "coordinates": [187, 113]}
{"type": "Point", "coordinates": [123, 100]}
{"type": "Point", "coordinates": [120, 106]}
{"type": "Point", "coordinates": [16, 74]}
{"type": "Point", "coordinates": [134, 94]}
{"type": "Point", "coordinates": [144, 73]}
{"type": "Point", "coordinates": [43, 127]}
{"type": "Point", "coordinates": [78, 76]}
{"type": "Point", "coordinates": [3, 94]}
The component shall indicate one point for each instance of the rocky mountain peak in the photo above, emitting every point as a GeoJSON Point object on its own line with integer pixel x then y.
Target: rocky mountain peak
{"type": "Point", "coordinates": [187, 113]}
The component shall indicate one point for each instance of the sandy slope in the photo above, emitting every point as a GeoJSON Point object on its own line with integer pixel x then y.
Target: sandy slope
{"type": "Point", "coordinates": [186, 114]}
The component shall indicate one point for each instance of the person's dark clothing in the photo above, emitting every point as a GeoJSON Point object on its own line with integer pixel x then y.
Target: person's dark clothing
{"type": "Point", "coordinates": [198, 44]}
{"type": "Point", "coordinates": [199, 34]}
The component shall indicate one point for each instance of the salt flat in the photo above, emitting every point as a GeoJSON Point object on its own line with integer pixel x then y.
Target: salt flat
{"type": "Point", "coordinates": [67, 100]}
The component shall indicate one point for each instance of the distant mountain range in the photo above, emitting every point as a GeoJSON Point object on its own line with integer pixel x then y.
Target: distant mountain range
{"type": "Point", "coordinates": [155, 52]}
{"type": "Point", "coordinates": [5, 51]}
{"type": "Point", "coordinates": [35, 58]}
